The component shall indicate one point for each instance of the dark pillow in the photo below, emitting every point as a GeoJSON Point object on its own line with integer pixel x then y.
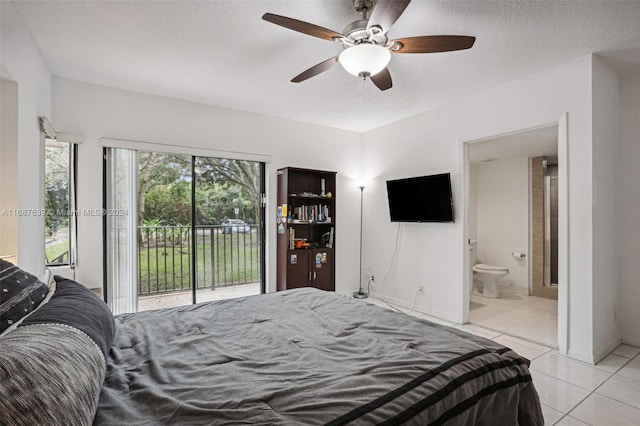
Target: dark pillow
{"type": "Point", "coordinates": [20, 294]}
{"type": "Point", "coordinates": [75, 305]}
{"type": "Point", "coordinates": [50, 374]}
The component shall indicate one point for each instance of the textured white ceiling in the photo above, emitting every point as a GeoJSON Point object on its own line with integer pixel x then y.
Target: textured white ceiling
{"type": "Point", "coordinates": [222, 53]}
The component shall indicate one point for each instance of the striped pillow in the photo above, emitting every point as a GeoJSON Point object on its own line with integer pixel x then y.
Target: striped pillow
{"type": "Point", "coordinates": [20, 293]}
{"type": "Point", "coordinates": [50, 374]}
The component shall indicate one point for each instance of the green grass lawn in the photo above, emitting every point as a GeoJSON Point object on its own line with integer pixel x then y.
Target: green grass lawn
{"type": "Point", "coordinates": [54, 250]}
{"type": "Point", "coordinates": [234, 259]}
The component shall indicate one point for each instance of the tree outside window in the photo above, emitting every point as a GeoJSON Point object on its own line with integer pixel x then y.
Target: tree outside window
{"type": "Point", "coordinates": [60, 211]}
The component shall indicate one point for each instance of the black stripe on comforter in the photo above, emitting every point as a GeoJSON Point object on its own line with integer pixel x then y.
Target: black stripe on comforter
{"type": "Point", "coordinates": [453, 385]}
{"type": "Point", "coordinates": [443, 392]}
{"type": "Point", "coordinates": [469, 402]}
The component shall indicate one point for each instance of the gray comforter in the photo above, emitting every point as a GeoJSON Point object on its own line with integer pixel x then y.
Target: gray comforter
{"type": "Point", "coordinates": [305, 357]}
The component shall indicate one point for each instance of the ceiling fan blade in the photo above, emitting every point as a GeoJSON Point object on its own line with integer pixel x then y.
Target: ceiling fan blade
{"type": "Point", "coordinates": [315, 70]}
{"type": "Point", "coordinates": [382, 80]}
{"type": "Point", "coordinates": [386, 13]}
{"type": "Point", "coordinates": [301, 26]}
{"type": "Point", "coordinates": [431, 44]}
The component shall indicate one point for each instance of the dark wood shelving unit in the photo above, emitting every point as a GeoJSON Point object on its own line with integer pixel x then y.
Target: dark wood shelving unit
{"type": "Point", "coordinates": [310, 221]}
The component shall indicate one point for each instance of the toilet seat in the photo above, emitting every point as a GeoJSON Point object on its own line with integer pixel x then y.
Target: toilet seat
{"type": "Point", "coordinates": [490, 268]}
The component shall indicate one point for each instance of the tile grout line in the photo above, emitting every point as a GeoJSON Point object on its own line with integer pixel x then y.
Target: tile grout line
{"type": "Point", "coordinates": [595, 389]}
{"type": "Point", "coordinates": [562, 380]}
{"type": "Point", "coordinates": [506, 333]}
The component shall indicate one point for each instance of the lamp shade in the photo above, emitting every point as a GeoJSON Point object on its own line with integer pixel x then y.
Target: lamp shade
{"type": "Point", "coordinates": [364, 60]}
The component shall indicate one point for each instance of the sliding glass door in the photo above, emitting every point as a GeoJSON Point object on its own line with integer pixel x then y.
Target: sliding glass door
{"type": "Point", "coordinates": [165, 222]}
{"type": "Point", "coordinates": [227, 218]}
{"type": "Point", "coordinates": [198, 231]}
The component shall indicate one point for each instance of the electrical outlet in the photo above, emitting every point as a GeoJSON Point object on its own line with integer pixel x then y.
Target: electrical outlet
{"type": "Point", "coordinates": [421, 289]}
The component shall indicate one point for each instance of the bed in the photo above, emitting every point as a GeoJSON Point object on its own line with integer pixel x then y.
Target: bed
{"type": "Point", "coordinates": [297, 357]}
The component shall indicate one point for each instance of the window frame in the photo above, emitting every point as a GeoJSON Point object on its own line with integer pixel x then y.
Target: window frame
{"type": "Point", "coordinates": [48, 134]}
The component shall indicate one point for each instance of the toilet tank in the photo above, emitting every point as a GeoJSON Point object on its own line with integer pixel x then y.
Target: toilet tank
{"type": "Point", "coordinates": [472, 252]}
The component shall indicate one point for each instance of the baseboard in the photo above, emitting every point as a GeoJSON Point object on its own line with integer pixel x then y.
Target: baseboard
{"type": "Point", "coordinates": [402, 304]}
{"type": "Point", "coordinates": [631, 342]}
{"type": "Point", "coordinates": [512, 289]}
{"type": "Point", "coordinates": [581, 357]}
{"type": "Point", "coordinates": [598, 356]}
{"type": "Point", "coordinates": [346, 293]}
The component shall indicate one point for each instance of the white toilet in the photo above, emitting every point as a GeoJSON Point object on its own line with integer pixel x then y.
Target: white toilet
{"type": "Point", "coordinates": [487, 275]}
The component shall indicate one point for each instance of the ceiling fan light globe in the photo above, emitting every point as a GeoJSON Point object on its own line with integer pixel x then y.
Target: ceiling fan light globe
{"type": "Point", "coordinates": [364, 59]}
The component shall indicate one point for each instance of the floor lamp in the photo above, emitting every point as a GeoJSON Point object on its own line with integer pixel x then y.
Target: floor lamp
{"type": "Point", "coordinates": [360, 294]}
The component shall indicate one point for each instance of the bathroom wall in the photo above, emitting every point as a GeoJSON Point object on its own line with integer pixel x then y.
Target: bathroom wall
{"type": "Point", "coordinates": [503, 219]}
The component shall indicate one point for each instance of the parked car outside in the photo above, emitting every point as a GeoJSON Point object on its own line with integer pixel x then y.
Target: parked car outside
{"type": "Point", "coordinates": [235, 226]}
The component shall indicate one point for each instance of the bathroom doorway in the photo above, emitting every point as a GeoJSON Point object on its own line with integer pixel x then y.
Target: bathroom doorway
{"type": "Point", "coordinates": [512, 233]}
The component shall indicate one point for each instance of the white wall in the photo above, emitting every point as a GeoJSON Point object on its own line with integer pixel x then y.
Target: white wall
{"type": "Point", "coordinates": [23, 64]}
{"type": "Point", "coordinates": [606, 125]}
{"type": "Point", "coordinates": [433, 254]}
{"type": "Point", "coordinates": [628, 208]}
{"type": "Point", "coordinates": [96, 112]}
{"type": "Point", "coordinates": [503, 219]}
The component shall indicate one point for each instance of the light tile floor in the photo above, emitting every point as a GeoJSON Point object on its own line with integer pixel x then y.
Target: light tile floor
{"type": "Point", "coordinates": [572, 393]}
{"type": "Point", "coordinates": [530, 316]}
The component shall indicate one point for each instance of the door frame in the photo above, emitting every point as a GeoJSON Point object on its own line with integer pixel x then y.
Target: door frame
{"type": "Point", "coordinates": [563, 226]}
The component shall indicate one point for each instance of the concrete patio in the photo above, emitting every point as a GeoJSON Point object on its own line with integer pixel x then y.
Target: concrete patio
{"type": "Point", "coordinates": [168, 300]}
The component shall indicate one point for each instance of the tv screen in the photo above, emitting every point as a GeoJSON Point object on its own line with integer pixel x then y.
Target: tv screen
{"type": "Point", "coordinates": [421, 199]}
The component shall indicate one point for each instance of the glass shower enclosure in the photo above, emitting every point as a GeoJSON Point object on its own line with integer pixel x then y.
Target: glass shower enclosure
{"type": "Point", "coordinates": [551, 226]}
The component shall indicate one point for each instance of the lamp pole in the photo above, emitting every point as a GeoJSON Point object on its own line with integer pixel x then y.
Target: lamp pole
{"type": "Point", "coordinates": [360, 294]}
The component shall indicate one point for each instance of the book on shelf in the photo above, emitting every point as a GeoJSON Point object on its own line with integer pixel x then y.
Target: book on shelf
{"type": "Point", "coordinates": [311, 214]}
{"type": "Point", "coordinates": [292, 237]}
{"type": "Point", "coordinates": [306, 222]}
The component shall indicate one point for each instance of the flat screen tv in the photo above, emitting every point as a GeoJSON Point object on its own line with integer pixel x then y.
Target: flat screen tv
{"type": "Point", "coordinates": [421, 199]}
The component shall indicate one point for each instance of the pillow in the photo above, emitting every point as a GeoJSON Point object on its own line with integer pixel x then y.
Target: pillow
{"type": "Point", "coordinates": [76, 306]}
{"type": "Point", "coordinates": [52, 290]}
{"type": "Point", "coordinates": [53, 364]}
{"type": "Point", "coordinates": [20, 294]}
{"type": "Point", "coordinates": [50, 374]}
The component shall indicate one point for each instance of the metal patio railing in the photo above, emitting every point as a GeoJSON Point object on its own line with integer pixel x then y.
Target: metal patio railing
{"type": "Point", "coordinates": [225, 256]}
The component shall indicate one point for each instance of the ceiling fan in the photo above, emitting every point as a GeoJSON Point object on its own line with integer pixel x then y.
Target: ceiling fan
{"type": "Point", "coordinates": [367, 50]}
